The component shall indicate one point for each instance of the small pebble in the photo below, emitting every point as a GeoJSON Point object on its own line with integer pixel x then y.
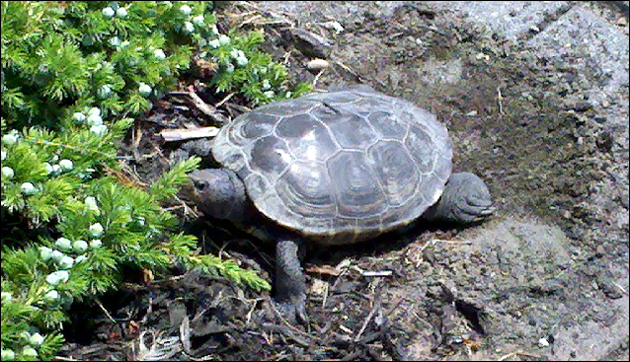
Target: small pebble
{"type": "Point", "coordinates": [582, 106]}
{"type": "Point", "coordinates": [480, 56]}
{"type": "Point", "coordinates": [543, 342]}
{"type": "Point", "coordinates": [335, 25]}
{"type": "Point", "coordinates": [317, 64]}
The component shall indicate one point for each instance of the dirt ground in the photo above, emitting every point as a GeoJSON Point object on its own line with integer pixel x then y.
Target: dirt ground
{"type": "Point", "coordinates": [540, 281]}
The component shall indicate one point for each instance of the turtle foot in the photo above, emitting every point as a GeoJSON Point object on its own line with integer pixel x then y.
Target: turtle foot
{"type": "Point", "coordinates": [290, 282]}
{"type": "Point", "coordinates": [293, 311]}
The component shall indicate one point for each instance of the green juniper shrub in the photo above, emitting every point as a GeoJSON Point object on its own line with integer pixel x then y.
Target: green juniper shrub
{"type": "Point", "coordinates": [75, 74]}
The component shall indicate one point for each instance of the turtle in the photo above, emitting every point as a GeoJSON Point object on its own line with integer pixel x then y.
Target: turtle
{"type": "Point", "coordinates": [334, 168]}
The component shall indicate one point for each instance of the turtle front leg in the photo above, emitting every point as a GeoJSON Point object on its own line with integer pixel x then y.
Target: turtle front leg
{"type": "Point", "coordinates": [290, 281]}
{"type": "Point", "coordinates": [465, 200]}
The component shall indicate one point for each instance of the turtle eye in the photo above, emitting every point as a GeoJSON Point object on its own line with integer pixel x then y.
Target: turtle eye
{"type": "Point", "coordinates": [200, 184]}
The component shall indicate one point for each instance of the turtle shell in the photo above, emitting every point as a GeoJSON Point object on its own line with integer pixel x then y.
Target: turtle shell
{"type": "Point", "coordinates": [339, 166]}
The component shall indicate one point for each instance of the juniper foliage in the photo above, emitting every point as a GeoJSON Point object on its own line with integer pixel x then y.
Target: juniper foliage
{"type": "Point", "coordinates": [75, 74]}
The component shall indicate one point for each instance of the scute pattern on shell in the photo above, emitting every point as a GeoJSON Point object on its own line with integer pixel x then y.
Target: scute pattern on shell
{"type": "Point", "coordinates": [339, 166]}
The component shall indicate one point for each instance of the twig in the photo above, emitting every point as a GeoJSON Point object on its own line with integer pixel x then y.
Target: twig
{"type": "Point", "coordinates": [433, 242]}
{"type": "Point", "coordinates": [432, 28]}
{"type": "Point", "coordinates": [620, 287]}
{"type": "Point", "coordinates": [325, 299]}
{"type": "Point", "coordinates": [345, 329]}
{"type": "Point", "coordinates": [181, 134]}
{"type": "Point", "coordinates": [225, 99]}
{"type": "Point", "coordinates": [348, 69]}
{"type": "Point", "coordinates": [394, 306]}
{"type": "Point", "coordinates": [518, 353]}
{"type": "Point", "coordinates": [204, 107]}
{"type": "Point", "coordinates": [262, 22]}
{"type": "Point", "coordinates": [184, 334]}
{"type": "Point", "coordinates": [109, 316]}
{"type": "Point", "coordinates": [367, 320]}
{"type": "Point", "coordinates": [250, 20]}
{"type": "Point", "coordinates": [282, 19]}
{"type": "Point", "coordinates": [149, 311]}
{"type": "Point", "coordinates": [316, 79]}
{"type": "Point", "coordinates": [384, 273]}
{"type": "Point", "coordinates": [287, 331]}
{"type": "Point", "coordinates": [137, 136]}
{"type": "Point", "coordinates": [500, 99]}
{"type": "Point", "coordinates": [251, 310]}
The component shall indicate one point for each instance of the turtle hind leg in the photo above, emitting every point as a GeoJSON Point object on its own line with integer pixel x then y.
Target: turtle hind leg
{"type": "Point", "coordinates": [290, 281]}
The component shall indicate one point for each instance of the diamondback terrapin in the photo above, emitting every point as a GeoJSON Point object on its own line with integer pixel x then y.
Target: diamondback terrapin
{"type": "Point", "coordinates": [335, 168]}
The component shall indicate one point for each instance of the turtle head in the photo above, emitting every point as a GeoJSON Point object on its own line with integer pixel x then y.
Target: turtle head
{"type": "Point", "coordinates": [465, 200]}
{"type": "Point", "coordinates": [218, 193]}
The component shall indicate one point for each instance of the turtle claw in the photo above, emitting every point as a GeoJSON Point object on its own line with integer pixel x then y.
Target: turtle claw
{"type": "Point", "coordinates": [293, 312]}
{"type": "Point", "coordinates": [466, 199]}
